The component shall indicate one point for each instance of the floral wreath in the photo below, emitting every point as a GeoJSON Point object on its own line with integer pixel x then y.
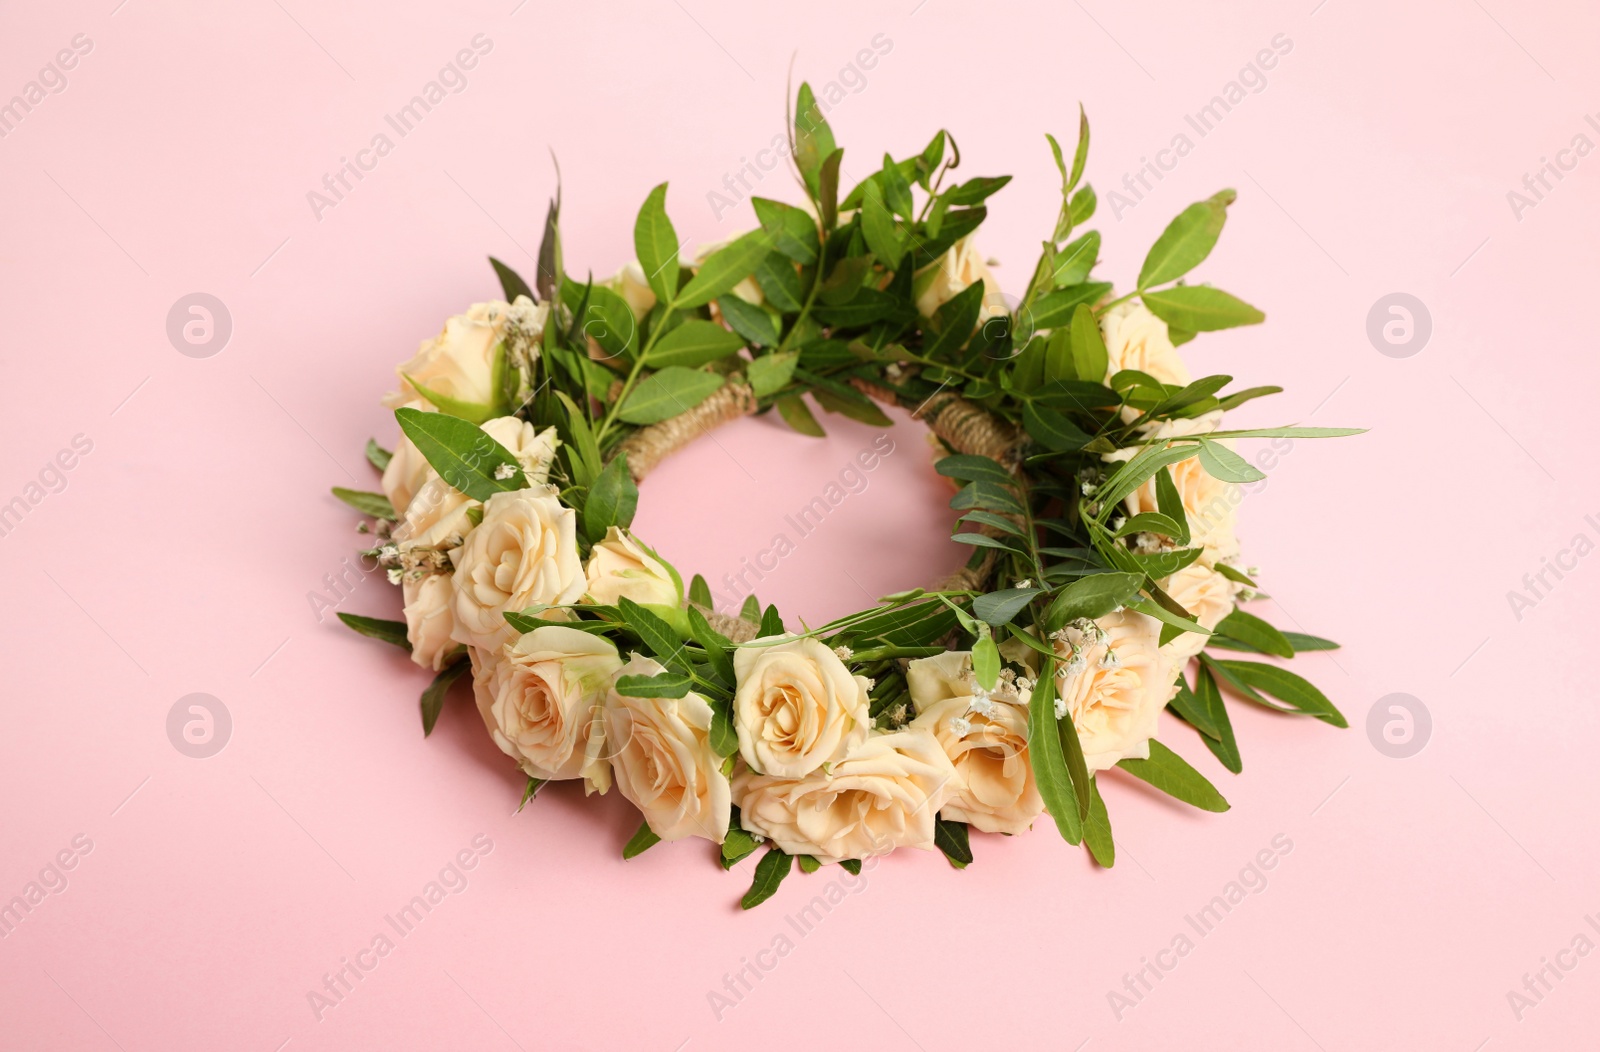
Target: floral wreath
{"type": "Point", "coordinates": [1097, 492]}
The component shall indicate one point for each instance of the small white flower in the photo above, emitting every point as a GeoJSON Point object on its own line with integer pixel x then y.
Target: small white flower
{"type": "Point", "coordinates": [1109, 659]}
{"type": "Point", "coordinates": [1061, 709]}
{"type": "Point", "coordinates": [982, 706]}
{"type": "Point", "coordinates": [843, 653]}
{"type": "Point", "coordinates": [959, 726]}
{"type": "Point", "coordinates": [1026, 582]}
{"type": "Point", "coordinates": [394, 575]}
{"type": "Point", "coordinates": [505, 471]}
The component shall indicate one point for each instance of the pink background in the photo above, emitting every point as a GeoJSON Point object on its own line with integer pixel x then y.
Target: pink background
{"type": "Point", "coordinates": [181, 554]}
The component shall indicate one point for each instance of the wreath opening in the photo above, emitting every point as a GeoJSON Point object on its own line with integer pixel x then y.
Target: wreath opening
{"type": "Point", "coordinates": [1094, 482]}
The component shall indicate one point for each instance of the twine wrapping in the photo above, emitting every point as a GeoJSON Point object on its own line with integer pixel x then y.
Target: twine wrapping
{"type": "Point", "coordinates": [649, 446]}
{"type": "Point", "coordinates": [735, 629]}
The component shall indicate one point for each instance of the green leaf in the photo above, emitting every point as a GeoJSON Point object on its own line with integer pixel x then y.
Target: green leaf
{"type": "Point", "coordinates": [724, 740]}
{"type": "Point", "coordinates": [694, 343]}
{"type": "Point", "coordinates": [998, 608]}
{"type": "Point", "coordinates": [699, 592]}
{"type": "Point", "coordinates": [983, 540]}
{"type": "Point", "coordinates": [462, 453]}
{"type": "Point", "coordinates": [1287, 687]}
{"type": "Point", "coordinates": [1239, 398]}
{"type": "Point", "coordinates": [602, 315]}
{"type": "Point", "coordinates": [433, 698]}
{"type": "Point", "coordinates": [780, 283]}
{"type": "Point", "coordinates": [724, 269]}
{"type": "Point", "coordinates": [1073, 263]}
{"type": "Point", "coordinates": [1055, 309]}
{"type": "Point", "coordinates": [860, 408]}
{"type": "Point", "coordinates": [388, 631]}
{"type": "Point", "coordinates": [771, 372]}
{"type": "Point", "coordinates": [714, 643]}
{"type": "Point", "coordinates": [737, 846]}
{"type": "Point", "coordinates": [656, 633]}
{"type": "Point", "coordinates": [1224, 464]}
{"type": "Point", "coordinates": [1170, 773]}
{"type": "Point", "coordinates": [1051, 429]}
{"type": "Point", "coordinates": [1089, 356]}
{"type": "Point", "coordinates": [1097, 829]}
{"type": "Point", "coordinates": [1083, 204]}
{"type": "Point", "coordinates": [612, 500]}
{"type": "Point", "coordinates": [1081, 154]}
{"type": "Point", "coordinates": [1223, 745]}
{"type": "Point", "coordinates": [667, 393]}
{"type": "Point", "coordinates": [952, 839]}
{"type": "Point", "coordinates": [640, 842]}
{"type": "Point", "coordinates": [1048, 761]}
{"type": "Point", "coordinates": [656, 244]}
{"type": "Point", "coordinates": [748, 320]}
{"type": "Point", "coordinates": [813, 139]}
{"type": "Point", "coordinates": [529, 791]}
{"type": "Point", "coordinates": [1290, 432]}
{"type": "Point", "coordinates": [988, 518]}
{"type": "Point", "coordinates": [1302, 642]}
{"type": "Point", "coordinates": [955, 318]}
{"type": "Point", "coordinates": [771, 622]}
{"type": "Point", "coordinates": [751, 610]}
{"type": "Point", "coordinates": [1093, 596]}
{"type": "Point", "coordinates": [793, 231]}
{"type": "Point", "coordinates": [770, 871]}
{"type": "Point", "coordinates": [881, 230]}
{"type": "Point", "coordinates": [1261, 636]}
{"type": "Point", "coordinates": [795, 413]}
{"type": "Point", "coordinates": [971, 468]}
{"type": "Point", "coordinates": [661, 685]}
{"type": "Point", "coordinates": [472, 412]}
{"type": "Point", "coordinates": [511, 282]}
{"type": "Point", "coordinates": [986, 661]}
{"type": "Point", "coordinates": [1201, 308]}
{"type": "Point", "coordinates": [987, 495]}
{"type": "Point", "coordinates": [373, 504]}
{"type": "Point", "coordinates": [1187, 241]}
{"type": "Point", "coordinates": [547, 276]}
{"type": "Point", "coordinates": [377, 456]}
{"type": "Point", "coordinates": [1233, 573]}
{"type": "Point", "coordinates": [828, 189]}
{"type": "Point", "coordinates": [583, 452]}
{"type": "Point", "coordinates": [1171, 504]}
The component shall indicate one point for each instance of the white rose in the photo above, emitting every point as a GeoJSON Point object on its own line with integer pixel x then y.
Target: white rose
{"type": "Point", "coordinates": [661, 755]}
{"type": "Point", "coordinates": [884, 795]}
{"type": "Point", "coordinates": [1208, 503]}
{"type": "Point", "coordinates": [940, 281]}
{"type": "Point", "coordinates": [631, 284]}
{"type": "Point", "coordinates": [986, 739]}
{"type": "Point", "coordinates": [1115, 681]}
{"type": "Point", "coordinates": [428, 602]}
{"type": "Point", "coordinates": [525, 552]}
{"type": "Point", "coordinates": [408, 469]}
{"type": "Point", "coordinates": [535, 450]}
{"type": "Point", "coordinates": [465, 363]}
{"type": "Point", "coordinates": [540, 698]}
{"type": "Point", "coordinates": [1207, 595]}
{"type": "Point", "coordinates": [621, 566]}
{"type": "Point", "coordinates": [796, 706]}
{"type": "Point", "coordinates": [1137, 339]}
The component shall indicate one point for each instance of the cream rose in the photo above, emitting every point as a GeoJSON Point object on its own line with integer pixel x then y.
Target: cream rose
{"type": "Point", "coordinates": [631, 284]}
{"type": "Point", "coordinates": [408, 469]}
{"type": "Point", "coordinates": [956, 270]}
{"type": "Point", "coordinates": [1137, 339]}
{"type": "Point", "coordinates": [661, 755]}
{"type": "Point", "coordinates": [465, 362]}
{"type": "Point", "coordinates": [1207, 595]}
{"type": "Point", "coordinates": [438, 514]}
{"type": "Point", "coordinates": [524, 552]}
{"type": "Point", "coordinates": [428, 602]}
{"type": "Point", "coordinates": [621, 566]}
{"type": "Point", "coordinates": [540, 698]}
{"type": "Point", "coordinates": [884, 795]}
{"type": "Point", "coordinates": [796, 706]}
{"type": "Point", "coordinates": [1114, 680]}
{"type": "Point", "coordinates": [535, 450]}
{"type": "Point", "coordinates": [985, 735]}
{"type": "Point", "coordinates": [1208, 502]}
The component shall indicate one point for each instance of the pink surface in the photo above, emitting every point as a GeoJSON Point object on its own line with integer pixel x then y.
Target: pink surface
{"type": "Point", "coordinates": [208, 897]}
